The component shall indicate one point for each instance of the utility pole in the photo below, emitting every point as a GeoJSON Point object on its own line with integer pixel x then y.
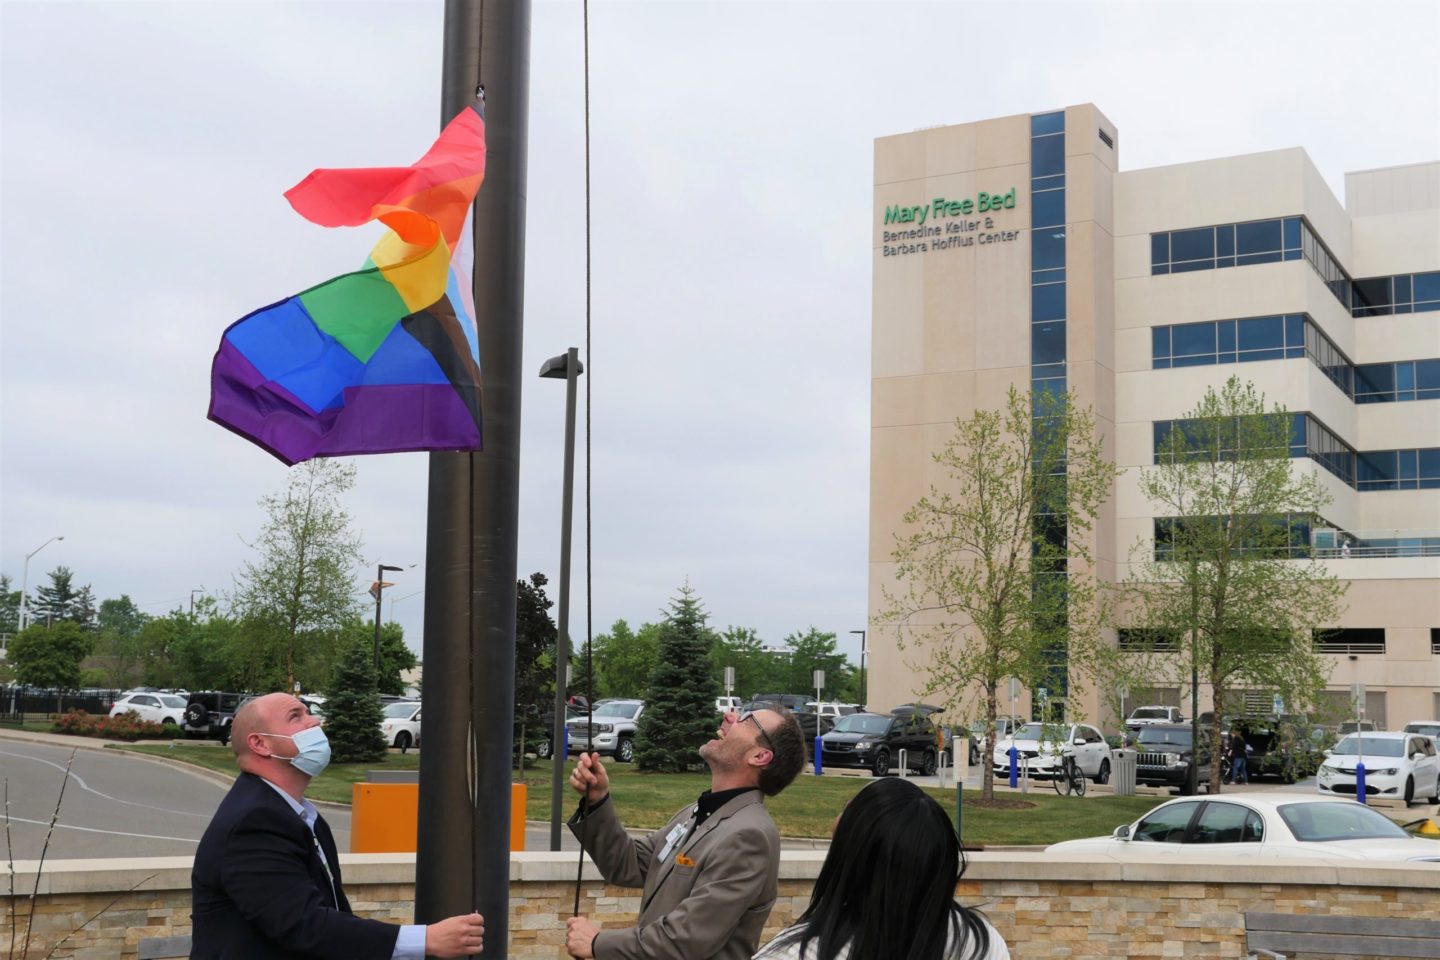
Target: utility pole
{"type": "Point", "coordinates": [463, 857]}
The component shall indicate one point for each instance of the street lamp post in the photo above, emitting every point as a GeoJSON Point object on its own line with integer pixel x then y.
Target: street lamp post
{"type": "Point", "coordinates": [199, 589]}
{"type": "Point", "coordinates": [863, 701]}
{"type": "Point", "coordinates": [568, 368]}
{"type": "Point", "coordinates": [25, 582]}
{"type": "Point", "coordinates": [379, 592]}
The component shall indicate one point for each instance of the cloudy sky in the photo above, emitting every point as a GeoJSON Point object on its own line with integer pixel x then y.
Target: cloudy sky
{"type": "Point", "coordinates": [146, 147]}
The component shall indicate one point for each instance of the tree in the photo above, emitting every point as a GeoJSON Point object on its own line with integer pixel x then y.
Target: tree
{"type": "Point", "coordinates": [119, 624]}
{"type": "Point", "coordinates": [304, 580]}
{"type": "Point", "coordinates": [995, 569]}
{"type": "Point", "coordinates": [62, 600]}
{"type": "Point", "coordinates": [756, 671]}
{"type": "Point", "coordinates": [625, 660]}
{"type": "Point", "coordinates": [811, 651]}
{"type": "Point", "coordinates": [680, 707]}
{"type": "Point", "coordinates": [396, 657]}
{"type": "Point", "coordinates": [352, 710]}
{"type": "Point", "coordinates": [1227, 575]}
{"type": "Point", "coordinates": [9, 605]}
{"type": "Point", "coordinates": [535, 636]}
{"type": "Point", "coordinates": [50, 657]}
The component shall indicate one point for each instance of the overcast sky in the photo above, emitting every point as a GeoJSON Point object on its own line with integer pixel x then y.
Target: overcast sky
{"type": "Point", "coordinates": [146, 147]}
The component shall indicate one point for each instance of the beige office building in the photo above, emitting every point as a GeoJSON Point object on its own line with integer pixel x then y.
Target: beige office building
{"type": "Point", "coordinates": [1017, 250]}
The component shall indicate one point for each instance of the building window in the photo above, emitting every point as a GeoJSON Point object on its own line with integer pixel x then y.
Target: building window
{"type": "Point", "coordinates": [1397, 382]}
{"type": "Point", "coordinates": [1350, 640]}
{"type": "Point", "coordinates": [1403, 293]}
{"type": "Point", "coordinates": [1308, 438]}
{"type": "Point", "coordinates": [1398, 469]}
{"type": "Point", "coordinates": [1227, 245]}
{"type": "Point", "coordinates": [1283, 536]}
{"type": "Point", "coordinates": [1228, 341]}
{"type": "Point", "coordinates": [1241, 244]}
{"type": "Point", "coordinates": [1146, 639]}
{"type": "Point", "coordinates": [1435, 648]}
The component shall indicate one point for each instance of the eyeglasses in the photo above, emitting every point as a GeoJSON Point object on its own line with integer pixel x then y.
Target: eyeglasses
{"type": "Point", "coordinates": [758, 726]}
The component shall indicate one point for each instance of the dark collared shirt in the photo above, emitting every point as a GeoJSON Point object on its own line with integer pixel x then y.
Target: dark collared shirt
{"type": "Point", "coordinates": [710, 802]}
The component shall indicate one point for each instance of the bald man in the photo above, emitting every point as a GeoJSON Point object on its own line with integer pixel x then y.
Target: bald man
{"type": "Point", "coordinates": [266, 881]}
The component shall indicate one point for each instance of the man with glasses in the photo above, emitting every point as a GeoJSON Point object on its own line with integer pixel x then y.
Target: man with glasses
{"type": "Point", "coordinates": [709, 875]}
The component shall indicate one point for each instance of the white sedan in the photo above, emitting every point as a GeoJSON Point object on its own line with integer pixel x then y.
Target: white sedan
{"type": "Point", "coordinates": [401, 724]}
{"type": "Point", "coordinates": [1040, 746]}
{"type": "Point", "coordinates": [1397, 764]}
{"type": "Point", "coordinates": [1249, 825]}
{"type": "Point", "coordinates": [154, 707]}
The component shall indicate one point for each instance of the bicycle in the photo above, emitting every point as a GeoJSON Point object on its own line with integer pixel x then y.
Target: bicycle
{"type": "Point", "coordinates": [1069, 781]}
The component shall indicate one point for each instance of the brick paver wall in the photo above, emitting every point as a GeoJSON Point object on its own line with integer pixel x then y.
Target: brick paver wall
{"type": "Point", "coordinates": [1043, 907]}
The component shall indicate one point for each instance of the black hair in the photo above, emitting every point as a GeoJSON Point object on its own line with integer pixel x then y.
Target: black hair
{"type": "Point", "coordinates": [887, 887]}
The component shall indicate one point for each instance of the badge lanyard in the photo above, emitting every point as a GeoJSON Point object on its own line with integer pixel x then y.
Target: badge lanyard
{"type": "Point", "coordinates": [320, 852]}
{"type": "Point", "coordinates": [675, 839]}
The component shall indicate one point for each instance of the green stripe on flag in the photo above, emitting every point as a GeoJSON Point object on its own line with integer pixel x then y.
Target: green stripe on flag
{"type": "Point", "coordinates": [359, 310]}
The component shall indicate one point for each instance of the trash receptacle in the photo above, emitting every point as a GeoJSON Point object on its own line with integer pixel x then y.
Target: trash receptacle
{"type": "Point", "coordinates": [1124, 773]}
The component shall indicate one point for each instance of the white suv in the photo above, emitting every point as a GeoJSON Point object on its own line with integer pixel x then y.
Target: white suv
{"type": "Point", "coordinates": [615, 723]}
{"type": "Point", "coordinates": [401, 724]}
{"type": "Point", "coordinates": [1042, 745]}
{"type": "Point", "coordinates": [154, 707]}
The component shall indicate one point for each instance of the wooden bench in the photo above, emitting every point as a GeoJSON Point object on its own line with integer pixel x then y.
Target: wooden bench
{"type": "Point", "coordinates": [164, 948]}
{"type": "Point", "coordinates": [1277, 936]}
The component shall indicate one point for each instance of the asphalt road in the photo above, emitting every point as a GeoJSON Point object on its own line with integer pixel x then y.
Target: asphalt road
{"type": "Point", "coordinates": [123, 805]}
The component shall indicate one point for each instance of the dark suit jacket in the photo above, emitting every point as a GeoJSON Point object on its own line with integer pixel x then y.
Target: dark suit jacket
{"type": "Point", "coordinates": [259, 889]}
{"type": "Point", "coordinates": [708, 899]}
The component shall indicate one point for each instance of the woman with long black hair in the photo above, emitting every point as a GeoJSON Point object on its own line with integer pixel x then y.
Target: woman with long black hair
{"type": "Point", "coordinates": [887, 888]}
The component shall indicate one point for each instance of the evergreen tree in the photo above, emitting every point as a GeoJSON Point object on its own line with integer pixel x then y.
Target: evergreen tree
{"type": "Point", "coordinates": [60, 600]}
{"type": "Point", "coordinates": [680, 707]}
{"type": "Point", "coordinates": [352, 711]}
{"type": "Point", "coordinates": [535, 635]}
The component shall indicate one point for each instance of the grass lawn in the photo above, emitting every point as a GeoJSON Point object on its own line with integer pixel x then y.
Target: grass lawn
{"type": "Point", "coordinates": [809, 806]}
{"type": "Point", "coordinates": [807, 809]}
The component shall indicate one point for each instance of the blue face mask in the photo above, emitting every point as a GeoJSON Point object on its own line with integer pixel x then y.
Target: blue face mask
{"type": "Point", "coordinates": [313, 750]}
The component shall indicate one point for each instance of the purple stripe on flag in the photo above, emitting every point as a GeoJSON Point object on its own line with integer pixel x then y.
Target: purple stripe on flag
{"type": "Point", "coordinates": [373, 419]}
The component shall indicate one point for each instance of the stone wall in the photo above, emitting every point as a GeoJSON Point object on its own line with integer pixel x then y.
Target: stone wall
{"type": "Point", "coordinates": [1044, 906]}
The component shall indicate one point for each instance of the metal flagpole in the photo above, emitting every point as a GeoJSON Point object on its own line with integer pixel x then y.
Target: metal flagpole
{"type": "Point", "coordinates": [463, 859]}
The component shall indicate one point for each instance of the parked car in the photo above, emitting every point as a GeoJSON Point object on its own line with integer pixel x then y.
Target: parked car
{"type": "Point", "coordinates": [1144, 716]}
{"type": "Point", "coordinates": [209, 712]}
{"type": "Point", "coordinates": [401, 724]}
{"type": "Point", "coordinates": [811, 724]}
{"type": "Point", "coordinates": [832, 710]}
{"type": "Point", "coordinates": [1043, 744]}
{"type": "Point", "coordinates": [1397, 764]}
{"type": "Point", "coordinates": [871, 741]}
{"type": "Point", "coordinates": [154, 707]}
{"type": "Point", "coordinates": [1004, 728]}
{"type": "Point", "coordinates": [615, 725]}
{"type": "Point", "coordinates": [1431, 728]}
{"type": "Point", "coordinates": [790, 701]}
{"type": "Point", "coordinates": [541, 741]}
{"type": "Point", "coordinates": [1162, 756]}
{"type": "Point", "coordinates": [726, 704]}
{"type": "Point", "coordinates": [1356, 726]}
{"type": "Point", "coordinates": [1251, 825]}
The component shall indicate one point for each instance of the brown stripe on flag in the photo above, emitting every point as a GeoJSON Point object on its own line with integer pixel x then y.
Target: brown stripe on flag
{"type": "Point", "coordinates": [438, 330]}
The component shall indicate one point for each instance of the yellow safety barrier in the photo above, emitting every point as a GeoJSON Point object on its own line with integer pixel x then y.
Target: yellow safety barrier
{"type": "Point", "coordinates": [384, 817]}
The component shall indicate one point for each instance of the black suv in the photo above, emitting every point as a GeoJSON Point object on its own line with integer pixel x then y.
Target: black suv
{"type": "Point", "coordinates": [209, 712]}
{"type": "Point", "coordinates": [871, 741]}
{"type": "Point", "coordinates": [1163, 756]}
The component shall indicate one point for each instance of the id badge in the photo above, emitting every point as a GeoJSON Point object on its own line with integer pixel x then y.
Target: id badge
{"type": "Point", "coordinates": [672, 839]}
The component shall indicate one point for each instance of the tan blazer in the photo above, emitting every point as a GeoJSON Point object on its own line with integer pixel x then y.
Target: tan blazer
{"type": "Point", "coordinates": [709, 897]}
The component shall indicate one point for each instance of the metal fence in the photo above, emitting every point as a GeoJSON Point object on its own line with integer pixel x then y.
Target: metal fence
{"type": "Point", "coordinates": [30, 700]}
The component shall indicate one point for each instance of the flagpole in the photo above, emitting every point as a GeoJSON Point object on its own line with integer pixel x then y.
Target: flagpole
{"type": "Point", "coordinates": [463, 859]}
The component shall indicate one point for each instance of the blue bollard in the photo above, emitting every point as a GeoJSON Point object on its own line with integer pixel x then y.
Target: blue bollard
{"type": "Point", "coordinates": [1014, 766]}
{"type": "Point", "coordinates": [1360, 782]}
{"type": "Point", "coordinates": [818, 766]}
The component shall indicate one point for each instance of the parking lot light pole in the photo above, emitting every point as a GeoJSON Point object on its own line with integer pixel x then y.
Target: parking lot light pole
{"type": "Point", "coordinates": [379, 592]}
{"type": "Point", "coordinates": [567, 366]}
{"type": "Point", "coordinates": [25, 582]}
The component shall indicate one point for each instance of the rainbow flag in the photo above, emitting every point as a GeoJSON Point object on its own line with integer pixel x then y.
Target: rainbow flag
{"type": "Point", "coordinates": [384, 359]}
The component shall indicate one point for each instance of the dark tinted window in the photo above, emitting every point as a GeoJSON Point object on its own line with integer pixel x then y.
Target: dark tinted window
{"type": "Point", "coordinates": [1047, 156]}
{"type": "Point", "coordinates": [1260, 237]}
{"type": "Point", "coordinates": [1047, 343]}
{"type": "Point", "coordinates": [1192, 244]}
{"type": "Point", "coordinates": [1047, 208]}
{"type": "Point", "coordinates": [1047, 302]}
{"type": "Point", "coordinates": [1167, 824]}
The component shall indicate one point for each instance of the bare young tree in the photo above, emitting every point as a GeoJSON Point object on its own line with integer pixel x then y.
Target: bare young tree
{"type": "Point", "coordinates": [304, 580]}
{"type": "Point", "coordinates": [997, 578]}
{"type": "Point", "coordinates": [1229, 591]}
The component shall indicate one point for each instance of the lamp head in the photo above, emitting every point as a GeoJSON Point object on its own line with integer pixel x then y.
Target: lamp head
{"type": "Point", "coordinates": [558, 368]}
